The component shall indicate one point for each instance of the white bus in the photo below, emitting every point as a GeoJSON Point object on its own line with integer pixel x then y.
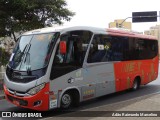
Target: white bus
{"type": "Point", "coordinates": [60, 67]}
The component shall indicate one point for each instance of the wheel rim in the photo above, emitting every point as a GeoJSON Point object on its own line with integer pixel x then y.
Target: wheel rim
{"type": "Point", "coordinates": [66, 100]}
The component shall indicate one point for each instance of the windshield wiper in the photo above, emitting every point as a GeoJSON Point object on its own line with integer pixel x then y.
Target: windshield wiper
{"type": "Point", "coordinates": [27, 60]}
{"type": "Point", "coordinates": [19, 56]}
{"type": "Point", "coordinates": [23, 52]}
{"type": "Point", "coordinates": [28, 66]}
{"type": "Point", "coordinates": [27, 51]}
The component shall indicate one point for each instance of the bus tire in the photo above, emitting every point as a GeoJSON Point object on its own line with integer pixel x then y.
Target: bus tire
{"type": "Point", "coordinates": [76, 98]}
{"type": "Point", "coordinates": [66, 100]}
{"type": "Point", "coordinates": [136, 84]}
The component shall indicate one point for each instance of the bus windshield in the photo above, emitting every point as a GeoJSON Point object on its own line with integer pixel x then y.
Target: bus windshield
{"type": "Point", "coordinates": [32, 51]}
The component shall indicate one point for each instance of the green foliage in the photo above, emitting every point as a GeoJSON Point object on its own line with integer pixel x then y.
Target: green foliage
{"type": "Point", "coordinates": [4, 57]}
{"type": "Point", "coordinates": [23, 15]}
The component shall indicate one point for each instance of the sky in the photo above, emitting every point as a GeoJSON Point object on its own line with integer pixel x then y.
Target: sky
{"type": "Point", "coordinates": [98, 13]}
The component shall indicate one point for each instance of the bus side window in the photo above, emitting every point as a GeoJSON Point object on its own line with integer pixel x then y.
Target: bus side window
{"type": "Point", "coordinates": [94, 53]}
{"type": "Point", "coordinates": [78, 53]}
{"type": "Point", "coordinates": [101, 49]}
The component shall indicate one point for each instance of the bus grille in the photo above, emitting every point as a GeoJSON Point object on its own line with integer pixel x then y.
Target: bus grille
{"type": "Point", "coordinates": [18, 93]}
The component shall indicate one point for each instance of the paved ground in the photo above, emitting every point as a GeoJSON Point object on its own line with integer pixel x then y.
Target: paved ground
{"type": "Point", "coordinates": [135, 107]}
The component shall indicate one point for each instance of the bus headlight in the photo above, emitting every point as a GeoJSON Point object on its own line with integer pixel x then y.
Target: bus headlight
{"type": "Point", "coordinates": [36, 89]}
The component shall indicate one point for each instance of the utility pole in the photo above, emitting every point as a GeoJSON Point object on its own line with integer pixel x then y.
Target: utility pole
{"type": "Point", "coordinates": [121, 24]}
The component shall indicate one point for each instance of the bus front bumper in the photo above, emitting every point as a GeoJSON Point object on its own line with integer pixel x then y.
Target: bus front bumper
{"type": "Point", "coordinates": [39, 101]}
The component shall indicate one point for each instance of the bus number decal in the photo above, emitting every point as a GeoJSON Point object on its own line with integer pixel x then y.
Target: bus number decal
{"type": "Point", "coordinates": [88, 94]}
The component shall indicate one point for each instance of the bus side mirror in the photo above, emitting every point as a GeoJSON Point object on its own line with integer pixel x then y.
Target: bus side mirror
{"type": "Point", "coordinates": [63, 47]}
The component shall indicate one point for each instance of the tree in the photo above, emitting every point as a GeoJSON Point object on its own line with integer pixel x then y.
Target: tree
{"type": "Point", "coordinates": [24, 15]}
{"type": "Point", "coordinates": [4, 57]}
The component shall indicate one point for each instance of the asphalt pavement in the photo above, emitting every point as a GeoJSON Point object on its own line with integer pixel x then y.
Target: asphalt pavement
{"type": "Point", "coordinates": [142, 108]}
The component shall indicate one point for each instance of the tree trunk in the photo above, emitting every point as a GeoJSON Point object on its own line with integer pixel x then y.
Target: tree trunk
{"type": "Point", "coordinates": [14, 36]}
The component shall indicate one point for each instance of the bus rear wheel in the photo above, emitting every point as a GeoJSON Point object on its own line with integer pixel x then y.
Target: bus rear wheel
{"type": "Point", "coordinates": [136, 84]}
{"type": "Point", "coordinates": [66, 100]}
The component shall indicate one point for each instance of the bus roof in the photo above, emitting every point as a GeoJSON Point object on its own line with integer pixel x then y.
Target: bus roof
{"type": "Point", "coordinates": [128, 33]}
{"type": "Point", "coordinates": [110, 31]}
{"type": "Point", "coordinates": [63, 29]}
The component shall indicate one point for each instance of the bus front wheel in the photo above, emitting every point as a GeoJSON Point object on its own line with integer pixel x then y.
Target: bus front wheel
{"type": "Point", "coordinates": [66, 100]}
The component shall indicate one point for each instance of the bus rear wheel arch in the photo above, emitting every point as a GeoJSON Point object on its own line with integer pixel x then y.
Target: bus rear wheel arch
{"type": "Point", "coordinates": [136, 83]}
{"type": "Point", "coordinates": [70, 98]}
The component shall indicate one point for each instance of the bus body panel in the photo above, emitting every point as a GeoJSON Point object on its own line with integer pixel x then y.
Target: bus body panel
{"type": "Point", "coordinates": [17, 94]}
{"type": "Point", "coordinates": [91, 82]}
{"type": "Point", "coordinates": [21, 87]}
{"type": "Point", "coordinates": [31, 102]}
{"type": "Point", "coordinates": [102, 75]}
{"type": "Point", "coordinates": [126, 72]}
{"type": "Point", "coordinates": [61, 84]}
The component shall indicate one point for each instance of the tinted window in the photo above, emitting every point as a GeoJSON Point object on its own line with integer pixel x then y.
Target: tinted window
{"type": "Point", "coordinates": [106, 48]}
{"type": "Point", "coordinates": [142, 49]}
